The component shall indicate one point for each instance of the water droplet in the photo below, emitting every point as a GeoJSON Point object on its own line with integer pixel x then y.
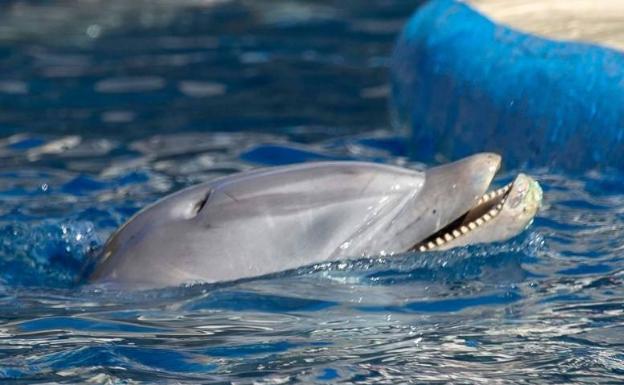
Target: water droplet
{"type": "Point", "coordinates": [94, 31]}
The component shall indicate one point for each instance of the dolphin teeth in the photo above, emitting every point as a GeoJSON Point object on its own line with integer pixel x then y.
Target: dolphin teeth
{"type": "Point", "coordinates": [493, 194]}
{"type": "Point", "coordinates": [499, 193]}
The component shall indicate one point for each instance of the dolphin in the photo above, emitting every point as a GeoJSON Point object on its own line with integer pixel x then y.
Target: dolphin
{"type": "Point", "coordinates": [274, 219]}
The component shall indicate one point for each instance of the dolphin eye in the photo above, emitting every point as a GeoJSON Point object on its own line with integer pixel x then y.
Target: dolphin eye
{"type": "Point", "coordinates": [199, 205]}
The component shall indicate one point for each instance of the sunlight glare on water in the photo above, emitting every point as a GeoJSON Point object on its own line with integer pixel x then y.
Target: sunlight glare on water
{"type": "Point", "coordinates": [109, 105]}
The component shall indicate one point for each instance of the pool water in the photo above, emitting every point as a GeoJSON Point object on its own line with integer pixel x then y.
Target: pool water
{"type": "Point", "coordinates": [106, 106]}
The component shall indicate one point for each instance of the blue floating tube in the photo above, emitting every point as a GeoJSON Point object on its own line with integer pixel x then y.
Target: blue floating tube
{"type": "Point", "coordinates": [462, 84]}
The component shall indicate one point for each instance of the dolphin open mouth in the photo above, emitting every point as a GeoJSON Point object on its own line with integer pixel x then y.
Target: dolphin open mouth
{"type": "Point", "coordinates": [486, 208]}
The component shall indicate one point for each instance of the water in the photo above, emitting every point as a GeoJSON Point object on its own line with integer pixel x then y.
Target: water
{"type": "Point", "coordinates": [104, 112]}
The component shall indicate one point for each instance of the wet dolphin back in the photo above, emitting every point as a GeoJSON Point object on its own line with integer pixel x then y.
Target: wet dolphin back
{"type": "Point", "coordinates": [255, 223]}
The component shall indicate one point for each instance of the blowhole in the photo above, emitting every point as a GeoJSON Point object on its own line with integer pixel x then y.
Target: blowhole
{"type": "Point", "coordinates": [197, 208]}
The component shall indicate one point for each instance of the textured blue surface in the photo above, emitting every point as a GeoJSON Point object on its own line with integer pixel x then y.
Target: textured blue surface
{"type": "Point", "coordinates": [463, 84]}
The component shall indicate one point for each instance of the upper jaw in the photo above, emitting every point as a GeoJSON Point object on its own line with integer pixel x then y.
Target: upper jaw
{"type": "Point", "coordinates": [459, 185]}
{"type": "Point", "coordinates": [499, 215]}
{"type": "Point", "coordinates": [451, 190]}
{"type": "Point", "coordinates": [460, 231]}
{"type": "Point", "coordinates": [448, 192]}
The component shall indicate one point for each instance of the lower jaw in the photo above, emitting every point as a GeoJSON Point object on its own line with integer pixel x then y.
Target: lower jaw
{"type": "Point", "coordinates": [486, 209]}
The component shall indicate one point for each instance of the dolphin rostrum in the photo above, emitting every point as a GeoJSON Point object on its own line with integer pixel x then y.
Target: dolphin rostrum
{"type": "Point", "coordinates": [274, 219]}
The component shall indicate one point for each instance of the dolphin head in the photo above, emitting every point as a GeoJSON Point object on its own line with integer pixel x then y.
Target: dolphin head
{"type": "Point", "coordinates": [448, 193]}
{"type": "Point", "coordinates": [269, 220]}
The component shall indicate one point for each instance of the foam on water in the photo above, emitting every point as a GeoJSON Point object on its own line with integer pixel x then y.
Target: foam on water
{"type": "Point", "coordinates": [145, 109]}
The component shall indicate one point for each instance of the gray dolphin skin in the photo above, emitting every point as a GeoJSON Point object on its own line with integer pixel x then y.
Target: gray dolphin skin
{"type": "Point", "coordinates": [274, 219]}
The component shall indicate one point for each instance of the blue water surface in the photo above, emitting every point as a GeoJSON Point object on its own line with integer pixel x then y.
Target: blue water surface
{"type": "Point", "coordinates": [106, 106]}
